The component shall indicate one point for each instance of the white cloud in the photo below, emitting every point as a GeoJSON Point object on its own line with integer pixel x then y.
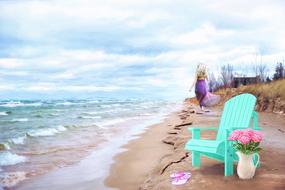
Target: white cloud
{"type": "Point", "coordinates": [10, 63]}
{"type": "Point", "coordinates": [203, 35]}
{"type": "Point", "coordinates": [6, 87]}
{"type": "Point", "coordinates": [84, 45]}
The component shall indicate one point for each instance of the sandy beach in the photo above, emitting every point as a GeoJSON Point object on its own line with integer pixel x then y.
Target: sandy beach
{"type": "Point", "coordinates": [150, 159]}
{"type": "Point", "coordinates": [100, 95]}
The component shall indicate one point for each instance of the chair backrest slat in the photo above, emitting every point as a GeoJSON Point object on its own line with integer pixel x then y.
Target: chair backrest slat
{"type": "Point", "coordinates": [237, 112]}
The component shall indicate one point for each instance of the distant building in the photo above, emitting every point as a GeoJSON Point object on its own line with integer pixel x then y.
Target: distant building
{"type": "Point", "coordinates": [237, 81]}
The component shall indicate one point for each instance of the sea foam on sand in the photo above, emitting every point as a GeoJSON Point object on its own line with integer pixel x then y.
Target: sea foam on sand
{"type": "Point", "coordinates": [10, 179]}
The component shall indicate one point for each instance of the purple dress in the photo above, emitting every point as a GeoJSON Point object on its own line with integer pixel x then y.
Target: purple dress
{"type": "Point", "coordinates": [204, 97]}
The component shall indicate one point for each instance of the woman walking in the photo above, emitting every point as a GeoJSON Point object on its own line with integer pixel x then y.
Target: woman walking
{"type": "Point", "coordinates": [204, 97]}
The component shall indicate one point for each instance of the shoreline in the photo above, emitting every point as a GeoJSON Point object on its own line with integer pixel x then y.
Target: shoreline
{"type": "Point", "coordinates": [89, 173]}
{"type": "Point", "coordinates": [150, 159]}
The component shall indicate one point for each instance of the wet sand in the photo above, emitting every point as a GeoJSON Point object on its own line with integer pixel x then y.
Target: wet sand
{"type": "Point", "coordinates": [159, 152]}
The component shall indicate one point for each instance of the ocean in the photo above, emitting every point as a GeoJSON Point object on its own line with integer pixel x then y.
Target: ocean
{"type": "Point", "coordinates": [39, 136]}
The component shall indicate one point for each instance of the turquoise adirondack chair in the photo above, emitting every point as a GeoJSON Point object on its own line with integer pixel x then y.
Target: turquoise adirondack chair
{"type": "Point", "coordinates": [238, 113]}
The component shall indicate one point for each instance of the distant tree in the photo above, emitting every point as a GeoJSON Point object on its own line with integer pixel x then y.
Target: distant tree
{"type": "Point", "coordinates": [213, 83]}
{"type": "Point", "coordinates": [260, 69]}
{"type": "Point", "coordinates": [268, 79]}
{"type": "Point", "coordinates": [262, 72]}
{"type": "Point", "coordinates": [227, 75]}
{"type": "Point", "coordinates": [279, 71]}
{"type": "Point", "coordinates": [255, 69]}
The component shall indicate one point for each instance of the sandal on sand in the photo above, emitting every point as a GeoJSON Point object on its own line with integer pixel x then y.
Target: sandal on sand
{"type": "Point", "coordinates": [179, 174]}
{"type": "Point", "coordinates": [180, 178]}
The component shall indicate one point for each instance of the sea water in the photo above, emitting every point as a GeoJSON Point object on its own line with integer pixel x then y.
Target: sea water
{"type": "Point", "coordinates": [38, 136]}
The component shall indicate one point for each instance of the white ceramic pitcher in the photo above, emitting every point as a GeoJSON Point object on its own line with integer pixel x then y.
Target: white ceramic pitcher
{"type": "Point", "coordinates": [246, 168]}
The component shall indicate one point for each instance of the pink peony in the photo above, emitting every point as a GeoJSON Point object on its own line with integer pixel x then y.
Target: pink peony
{"type": "Point", "coordinates": [235, 135]}
{"type": "Point", "coordinates": [244, 139]}
{"type": "Point", "coordinates": [249, 132]}
{"type": "Point", "coordinates": [246, 135]}
{"type": "Point", "coordinates": [256, 137]}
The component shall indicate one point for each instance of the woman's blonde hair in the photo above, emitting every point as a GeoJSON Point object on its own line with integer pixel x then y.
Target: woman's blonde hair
{"type": "Point", "coordinates": [201, 70]}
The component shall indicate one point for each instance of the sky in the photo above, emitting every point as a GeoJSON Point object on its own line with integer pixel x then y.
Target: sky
{"type": "Point", "coordinates": [125, 48]}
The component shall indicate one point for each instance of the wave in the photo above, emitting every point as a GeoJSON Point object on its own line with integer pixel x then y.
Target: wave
{"type": "Point", "coordinates": [38, 115]}
{"type": "Point", "coordinates": [18, 140]}
{"type": "Point", "coordinates": [90, 113]}
{"type": "Point", "coordinates": [46, 132]}
{"type": "Point", "coordinates": [20, 120]}
{"type": "Point", "coordinates": [10, 179]}
{"type": "Point", "coordinates": [67, 103]}
{"type": "Point", "coordinates": [42, 115]}
{"type": "Point", "coordinates": [93, 102]}
{"type": "Point", "coordinates": [110, 105]}
{"type": "Point", "coordinates": [88, 117]}
{"type": "Point", "coordinates": [54, 114]}
{"type": "Point", "coordinates": [13, 104]}
{"type": "Point", "coordinates": [8, 158]}
{"type": "Point", "coordinates": [3, 113]}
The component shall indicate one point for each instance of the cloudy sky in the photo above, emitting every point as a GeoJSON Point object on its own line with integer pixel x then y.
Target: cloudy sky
{"type": "Point", "coordinates": [145, 48]}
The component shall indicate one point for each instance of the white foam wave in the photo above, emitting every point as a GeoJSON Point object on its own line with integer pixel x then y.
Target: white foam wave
{"type": "Point", "coordinates": [54, 114]}
{"type": "Point", "coordinates": [47, 131]}
{"type": "Point", "coordinates": [3, 113]}
{"type": "Point", "coordinates": [65, 103]}
{"type": "Point", "coordinates": [90, 113]}
{"type": "Point", "coordinates": [13, 104]}
{"type": "Point", "coordinates": [36, 104]}
{"type": "Point", "coordinates": [93, 101]}
{"type": "Point", "coordinates": [61, 128]}
{"type": "Point", "coordinates": [8, 158]}
{"type": "Point", "coordinates": [110, 105]}
{"type": "Point", "coordinates": [89, 117]}
{"type": "Point", "coordinates": [20, 120]}
{"type": "Point", "coordinates": [18, 140]}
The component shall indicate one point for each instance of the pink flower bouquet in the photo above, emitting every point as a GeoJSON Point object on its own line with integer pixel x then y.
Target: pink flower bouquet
{"type": "Point", "coordinates": [247, 140]}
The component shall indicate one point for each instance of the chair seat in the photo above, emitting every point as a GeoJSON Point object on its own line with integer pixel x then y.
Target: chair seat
{"type": "Point", "coordinates": [209, 146]}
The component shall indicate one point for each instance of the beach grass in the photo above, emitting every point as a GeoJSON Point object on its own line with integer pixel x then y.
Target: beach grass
{"type": "Point", "coordinates": [272, 90]}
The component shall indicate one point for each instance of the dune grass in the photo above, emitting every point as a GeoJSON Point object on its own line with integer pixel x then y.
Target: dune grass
{"type": "Point", "coordinates": [272, 90]}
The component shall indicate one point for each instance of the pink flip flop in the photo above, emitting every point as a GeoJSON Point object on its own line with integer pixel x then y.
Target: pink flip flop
{"type": "Point", "coordinates": [180, 178]}
{"type": "Point", "coordinates": [179, 174]}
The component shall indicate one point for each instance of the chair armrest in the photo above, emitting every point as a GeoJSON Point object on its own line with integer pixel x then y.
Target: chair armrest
{"type": "Point", "coordinates": [196, 131]}
{"type": "Point", "coordinates": [202, 129]}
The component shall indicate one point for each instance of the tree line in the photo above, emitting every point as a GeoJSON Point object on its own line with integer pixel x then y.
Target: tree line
{"type": "Point", "coordinates": [226, 75]}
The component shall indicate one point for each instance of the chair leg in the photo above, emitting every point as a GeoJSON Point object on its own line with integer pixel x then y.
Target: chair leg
{"type": "Point", "coordinates": [196, 159]}
{"type": "Point", "coordinates": [229, 164]}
